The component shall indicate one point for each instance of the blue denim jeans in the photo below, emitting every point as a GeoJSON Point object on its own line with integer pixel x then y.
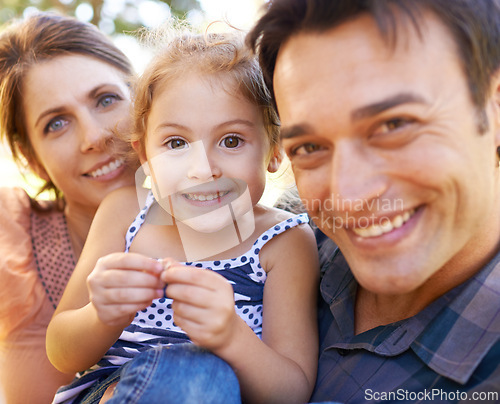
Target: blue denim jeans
{"type": "Point", "coordinates": [180, 373]}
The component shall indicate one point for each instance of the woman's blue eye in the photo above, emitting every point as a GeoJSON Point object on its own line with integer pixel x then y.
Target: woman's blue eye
{"type": "Point", "coordinates": [55, 125]}
{"type": "Point", "coordinates": [108, 100]}
{"type": "Point", "coordinates": [176, 144]}
{"type": "Point", "coordinates": [231, 142]}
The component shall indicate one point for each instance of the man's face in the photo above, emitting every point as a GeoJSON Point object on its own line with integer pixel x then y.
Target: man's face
{"type": "Point", "coordinates": [387, 153]}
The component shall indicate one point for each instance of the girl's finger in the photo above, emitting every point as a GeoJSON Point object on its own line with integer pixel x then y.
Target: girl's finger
{"type": "Point", "coordinates": [124, 278]}
{"type": "Point", "coordinates": [193, 276]}
{"type": "Point", "coordinates": [192, 294]}
{"type": "Point", "coordinates": [132, 295]}
{"type": "Point", "coordinates": [131, 261]}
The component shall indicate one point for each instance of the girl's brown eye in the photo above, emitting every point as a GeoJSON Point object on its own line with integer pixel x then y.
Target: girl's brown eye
{"type": "Point", "coordinates": [176, 144]}
{"type": "Point", "coordinates": [231, 142]}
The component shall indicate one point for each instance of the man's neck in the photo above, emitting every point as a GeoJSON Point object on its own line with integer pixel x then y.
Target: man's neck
{"type": "Point", "coordinates": [373, 310]}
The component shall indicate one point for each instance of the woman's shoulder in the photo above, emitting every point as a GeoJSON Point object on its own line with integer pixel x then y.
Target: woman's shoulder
{"type": "Point", "coordinates": [14, 201]}
{"type": "Point", "coordinates": [21, 294]}
{"type": "Point", "coordinates": [15, 216]}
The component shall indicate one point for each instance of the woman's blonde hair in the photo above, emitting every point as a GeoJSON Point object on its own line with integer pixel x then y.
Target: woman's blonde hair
{"type": "Point", "coordinates": [210, 54]}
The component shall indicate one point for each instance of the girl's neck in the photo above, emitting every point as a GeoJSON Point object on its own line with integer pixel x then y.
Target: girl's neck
{"type": "Point", "coordinates": [228, 242]}
{"type": "Point", "coordinates": [79, 221]}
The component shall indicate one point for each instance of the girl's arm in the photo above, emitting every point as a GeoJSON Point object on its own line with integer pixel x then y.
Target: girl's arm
{"type": "Point", "coordinates": [281, 367]}
{"type": "Point", "coordinates": [103, 294]}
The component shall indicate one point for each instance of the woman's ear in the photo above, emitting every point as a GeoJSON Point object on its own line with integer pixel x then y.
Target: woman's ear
{"type": "Point", "coordinates": [39, 171]}
{"type": "Point", "coordinates": [275, 160]}
{"type": "Point", "coordinates": [34, 165]}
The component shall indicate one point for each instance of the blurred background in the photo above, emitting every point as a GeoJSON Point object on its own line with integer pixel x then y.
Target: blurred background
{"type": "Point", "coordinates": [119, 19]}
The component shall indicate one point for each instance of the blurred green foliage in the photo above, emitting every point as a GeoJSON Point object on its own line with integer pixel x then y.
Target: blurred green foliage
{"type": "Point", "coordinates": [112, 16]}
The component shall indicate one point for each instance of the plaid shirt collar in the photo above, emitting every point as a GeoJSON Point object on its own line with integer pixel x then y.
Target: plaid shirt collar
{"type": "Point", "coordinates": [451, 335]}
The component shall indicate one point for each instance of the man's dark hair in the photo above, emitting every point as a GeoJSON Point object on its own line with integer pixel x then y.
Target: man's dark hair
{"type": "Point", "coordinates": [473, 24]}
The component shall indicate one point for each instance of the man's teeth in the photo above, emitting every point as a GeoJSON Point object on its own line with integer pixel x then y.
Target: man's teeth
{"type": "Point", "coordinates": [388, 225]}
{"type": "Point", "coordinates": [206, 197]}
{"type": "Point", "coordinates": [107, 168]}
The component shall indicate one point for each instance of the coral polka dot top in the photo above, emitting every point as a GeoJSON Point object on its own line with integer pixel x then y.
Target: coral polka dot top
{"type": "Point", "coordinates": [36, 262]}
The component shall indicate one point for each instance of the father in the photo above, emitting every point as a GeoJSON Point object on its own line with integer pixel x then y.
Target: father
{"type": "Point", "coordinates": [390, 115]}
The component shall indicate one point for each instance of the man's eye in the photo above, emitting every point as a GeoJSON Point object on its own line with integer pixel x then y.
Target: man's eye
{"type": "Point", "coordinates": [392, 125]}
{"type": "Point", "coordinates": [231, 142]}
{"type": "Point", "coordinates": [176, 144]}
{"type": "Point", "coordinates": [306, 148]}
{"type": "Point", "coordinates": [55, 125]}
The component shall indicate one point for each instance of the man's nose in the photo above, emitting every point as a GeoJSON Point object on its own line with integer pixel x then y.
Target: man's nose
{"type": "Point", "coordinates": [356, 177]}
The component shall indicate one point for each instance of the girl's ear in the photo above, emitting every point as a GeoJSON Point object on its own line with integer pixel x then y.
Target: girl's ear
{"type": "Point", "coordinates": [275, 160]}
{"type": "Point", "coordinates": [496, 102]}
{"type": "Point", "coordinates": [136, 145]}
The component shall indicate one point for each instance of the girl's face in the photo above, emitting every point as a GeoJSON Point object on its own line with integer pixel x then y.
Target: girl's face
{"type": "Point", "coordinates": [207, 149]}
{"type": "Point", "coordinates": [72, 104]}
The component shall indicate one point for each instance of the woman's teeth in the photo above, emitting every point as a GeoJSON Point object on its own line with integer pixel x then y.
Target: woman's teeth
{"type": "Point", "coordinates": [387, 226]}
{"type": "Point", "coordinates": [206, 197]}
{"type": "Point", "coordinates": [107, 168]}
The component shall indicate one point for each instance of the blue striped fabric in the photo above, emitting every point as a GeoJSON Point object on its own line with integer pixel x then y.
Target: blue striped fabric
{"type": "Point", "coordinates": [448, 352]}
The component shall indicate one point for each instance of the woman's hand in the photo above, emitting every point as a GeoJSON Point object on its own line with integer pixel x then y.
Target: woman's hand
{"type": "Point", "coordinates": [203, 304]}
{"type": "Point", "coordinates": [122, 284]}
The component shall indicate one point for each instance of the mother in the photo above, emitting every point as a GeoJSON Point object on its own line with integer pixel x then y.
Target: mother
{"type": "Point", "coordinates": [63, 91]}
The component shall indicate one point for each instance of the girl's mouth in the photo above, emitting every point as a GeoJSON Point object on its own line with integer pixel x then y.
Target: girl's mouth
{"type": "Point", "coordinates": [202, 197]}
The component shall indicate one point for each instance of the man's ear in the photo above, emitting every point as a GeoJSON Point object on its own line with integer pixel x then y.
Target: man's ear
{"type": "Point", "coordinates": [275, 160]}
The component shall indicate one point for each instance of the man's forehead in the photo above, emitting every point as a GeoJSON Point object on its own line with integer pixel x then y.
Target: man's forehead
{"type": "Point", "coordinates": [398, 31]}
{"type": "Point", "coordinates": [352, 46]}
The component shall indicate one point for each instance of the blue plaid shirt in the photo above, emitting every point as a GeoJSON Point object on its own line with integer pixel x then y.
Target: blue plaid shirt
{"type": "Point", "coordinates": [448, 352]}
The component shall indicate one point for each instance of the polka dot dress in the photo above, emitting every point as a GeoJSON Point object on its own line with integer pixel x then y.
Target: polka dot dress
{"type": "Point", "coordinates": [53, 252]}
{"type": "Point", "coordinates": [245, 274]}
{"type": "Point", "coordinates": [155, 325]}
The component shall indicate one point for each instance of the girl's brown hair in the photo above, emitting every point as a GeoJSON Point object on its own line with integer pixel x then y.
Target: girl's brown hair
{"type": "Point", "coordinates": [211, 54]}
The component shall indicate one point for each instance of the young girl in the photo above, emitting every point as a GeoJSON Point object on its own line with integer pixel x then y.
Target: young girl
{"type": "Point", "coordinates": [206, 133]}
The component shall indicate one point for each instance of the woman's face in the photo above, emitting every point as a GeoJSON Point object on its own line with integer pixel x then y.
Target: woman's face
{"type": "Point", "coordinates": [72, 103]}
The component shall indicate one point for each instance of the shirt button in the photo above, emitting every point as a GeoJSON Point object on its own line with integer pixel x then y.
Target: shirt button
{"type": "Point", "coordinates": [342, 351]}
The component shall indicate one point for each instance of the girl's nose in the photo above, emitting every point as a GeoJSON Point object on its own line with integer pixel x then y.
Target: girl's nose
{"type": "Point", "coordinates": [200, 165]}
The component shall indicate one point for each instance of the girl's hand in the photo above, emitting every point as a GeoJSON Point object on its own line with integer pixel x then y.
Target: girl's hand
{"type": "Point", "coordinates": [122, 284]}
{"type": "Point", "coordinates": [203, 304]}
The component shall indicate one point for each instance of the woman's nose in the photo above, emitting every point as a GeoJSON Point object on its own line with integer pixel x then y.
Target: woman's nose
{"type": "Point", "coordinates": [93, 135]}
